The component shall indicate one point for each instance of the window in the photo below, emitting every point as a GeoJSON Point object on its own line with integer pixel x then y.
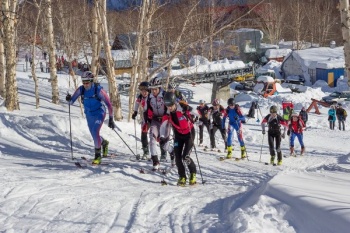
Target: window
{"type": "Point", "coordinates": [123, 64]}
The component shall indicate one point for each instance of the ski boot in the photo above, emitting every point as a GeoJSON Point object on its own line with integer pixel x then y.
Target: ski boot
{"type": "Point", "coordinates": [193, 179]}
{"type": "Point", "coordinates": [243, 152]}
{"type": "Point", "coordinates": [97, 159]}
{"type": "Point", "coordinates": [302, 151]}
{"type": "Point", "coordinates": [279, 162]}
{"type": "Point", "coordinates": [172, 158]}
{"type": "Point", "coordinates": [292, 153]}
{"type": "Point", "coordinates": [229, 152]}
{"type": "Point", "coordinates": [145, 154]}
{"type": "Point", "coordinates": [155, 162]}
{"type": "Point", "coordinates": [105, 144]}
{"type": "Point", "coordinates": [272, 160]}
{"type": "Point", "coordinates": [181, 181]}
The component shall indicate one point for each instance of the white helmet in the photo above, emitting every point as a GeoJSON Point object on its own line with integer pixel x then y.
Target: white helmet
{"type": "Point", "coordinates": [155, 82]}
{"type": "Point", "coordinates": [87, 76]}
{"type": "Point", "coordinates": [202, 102]}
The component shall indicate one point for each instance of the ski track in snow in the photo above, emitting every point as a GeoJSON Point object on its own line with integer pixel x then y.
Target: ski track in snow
{"type": "Point", "coordinates": [43, 191]}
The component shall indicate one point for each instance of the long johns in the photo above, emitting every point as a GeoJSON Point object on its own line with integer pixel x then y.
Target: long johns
{"type": "Point", "coordinates": [230, 135]}
{"type": "Point", "coordinates": [95, 124]}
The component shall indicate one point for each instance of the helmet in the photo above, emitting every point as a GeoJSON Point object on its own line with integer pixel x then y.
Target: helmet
{"type": "Point", "coordinates": [87, 76]}
{"type": "Point", "coordinates": [172, 86]}
{"type": "Point", "coordinates": [231, 101]}
{"type": "Point", "coordinates": [215, 102]}
{"type": "Point", "coordinates": [202, 102]}
{"type": "Point", "coordinates": [144, 86]}
{"type": "Point", "coordinates": [155, 82]}
{"type": "Point", "coordinates": [294, 114]}
{"type": "Point", "coordinates": [169, 99]}
{"type": "Point", "coordinates": [273, 109]}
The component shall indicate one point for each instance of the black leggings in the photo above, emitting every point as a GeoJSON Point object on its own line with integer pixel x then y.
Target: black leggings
{"type": "Point", "coordinates": [182, 147]}
{"type": "Point", "coordinates": [275, 137]}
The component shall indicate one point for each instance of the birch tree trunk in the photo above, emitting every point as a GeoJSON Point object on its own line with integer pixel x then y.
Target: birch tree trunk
{"type": "Point", "coordinates": [136, 59]}
{"type": "Point", "coordinates": [345, 21]}
{"type": "Point", "coordinates": [52, 53]}
{"type": "Point", "coordinates": [100, 7]}
{"type": "Point", "coordinates": [95, 41]}
{"type": "Point", "coordinates": [9, 9]}
{"type": "Point", "coordinates": [2, 67]}
{"type": "Point", "coordinates": [35, 79]}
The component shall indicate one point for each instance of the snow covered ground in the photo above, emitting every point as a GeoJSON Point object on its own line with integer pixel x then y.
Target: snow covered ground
{"type": "Point", "coordinates": [43, 191]}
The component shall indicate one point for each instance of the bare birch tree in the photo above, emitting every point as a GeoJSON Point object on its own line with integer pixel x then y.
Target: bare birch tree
{"type": "Point", "coordinates": [344, 8]}
{"type": "Point", "coordinates": [52, 52]}
{"type": "Point", "coordinates": [100, 7]}
{"type": "Point", "coordinates": [9, 20]}
{"type": "Point", "coordinates": [2, 65]}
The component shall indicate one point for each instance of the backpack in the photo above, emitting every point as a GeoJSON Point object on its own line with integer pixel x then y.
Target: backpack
{"type": "Point", "coordinates": [82, 91]}
{"type": "Point", "coordinates": [274, 124]}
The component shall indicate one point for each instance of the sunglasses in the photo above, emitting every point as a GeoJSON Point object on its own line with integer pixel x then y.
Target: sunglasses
{"type": "Point", "coordinates": [273, 112]}
{"type": "Point", "coordinates": [87, 82]}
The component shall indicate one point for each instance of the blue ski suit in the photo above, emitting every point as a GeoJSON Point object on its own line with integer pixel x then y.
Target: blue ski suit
{"type": "Point", "coordinates": [235, 123]}
{"type": "Point", "coordinates": [94, 109]}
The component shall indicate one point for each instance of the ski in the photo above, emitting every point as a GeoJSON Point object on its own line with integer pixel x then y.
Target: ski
{"type": "Point", "coordinates": [222, 158]}
{"type": "Point", "coordinates": [162, 171]}
{"type": "Point", "coordinates": [274, 164]}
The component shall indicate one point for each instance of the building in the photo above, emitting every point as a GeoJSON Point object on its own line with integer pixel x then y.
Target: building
{"type": "Point", "coordinates": [324, 63]}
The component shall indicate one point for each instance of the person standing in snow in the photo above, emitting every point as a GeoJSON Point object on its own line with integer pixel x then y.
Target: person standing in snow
{"type": "Point", "coordinates": [216, 113]}
{"type": "Point", "coordinates": [178, 118]}
{"type": "Point", "coordinates": [332, 117]}
{"type": "Point", "coordinates": [155, 110]}
{"type": "Point", "coordinates": [203, 119]}
{"type": "Point", "coordinates": [236, 118]}
{"type": "Point", "coordinates": [295, 130]}
{"type": "Point", "coordinates": [303, 115]}
{"type": "Point", "coordinates": [341, 116]}
{"type": "Point", "coordinates": [141, 103]}
{"type": "Point", "coordinates": [92, 96]}
{"type": "Point", "coordinates": [274, 122]}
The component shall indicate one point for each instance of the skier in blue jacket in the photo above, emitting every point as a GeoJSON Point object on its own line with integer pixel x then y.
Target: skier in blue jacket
{"type": "Point", "coordinates": [235, 116]}
{"type": "Point", "coordinates": [92, 96]}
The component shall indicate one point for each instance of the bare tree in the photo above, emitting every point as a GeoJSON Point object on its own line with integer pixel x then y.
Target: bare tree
{"type": "Point", "coordinates": [100, 7]}
{"type": "Point", "coordinates": [52, 52]}
{"type": "Point", "coordinates": [2, 65]}
{"type": "Point", "coordinates": [9, 19]}
{"type": "Point", "coordinates": [345, 20]}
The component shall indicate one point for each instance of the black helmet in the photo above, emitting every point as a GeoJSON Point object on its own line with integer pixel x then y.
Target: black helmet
{"type": "Point", "coordinates": [169, 99]}
{"type": "Point", "coordinates": [273, 109]}
{"type": "Point", "coordinates": [155, 82]}
{"type": "Point", "coordinates": [231, 101]}
{"type": "Point", "coordinates": [144, 86]}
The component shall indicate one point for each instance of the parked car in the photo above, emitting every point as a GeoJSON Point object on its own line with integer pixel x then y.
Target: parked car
{"type": "Point", "coordinates": [337, 97]}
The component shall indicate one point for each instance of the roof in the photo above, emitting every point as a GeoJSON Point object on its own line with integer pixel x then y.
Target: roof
{"type": "Point", "coordinates": [323, 57]}
{"type": "Point", "coordinates": [275, 53]}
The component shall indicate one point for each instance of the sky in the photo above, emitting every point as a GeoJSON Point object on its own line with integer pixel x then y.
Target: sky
{"type": "Point", "coordinates": [43, 191]}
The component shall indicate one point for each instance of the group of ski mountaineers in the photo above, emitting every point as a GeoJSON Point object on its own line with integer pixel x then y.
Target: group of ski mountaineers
{"type": "Point", "coordinates": [167, 119]}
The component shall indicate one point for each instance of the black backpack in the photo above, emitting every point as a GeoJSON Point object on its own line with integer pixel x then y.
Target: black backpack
{"type": "Point", "coordinates": [82, 91]}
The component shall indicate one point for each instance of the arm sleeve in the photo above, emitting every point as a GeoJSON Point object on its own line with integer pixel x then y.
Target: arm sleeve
{"type": "Point", "coordinates": [104, 97]}
{"type": "Point", "coordinates": [75, 96]}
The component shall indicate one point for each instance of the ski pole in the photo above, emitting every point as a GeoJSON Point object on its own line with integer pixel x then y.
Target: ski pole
{"type": "Point", "coordinates": [199, 167]}
{"type": "Point", "coordinates": [135, 134]}
{"type": "Point", "coordinates": [261, 147]}
{"type": "Point", "coordinates": [70, 131]}
{"type": "Point", "coordinates": [125, 142]}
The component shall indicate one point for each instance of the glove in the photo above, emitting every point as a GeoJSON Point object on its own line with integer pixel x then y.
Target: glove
{"type": "Point", "coordinates": [111, 123]}
{"type": "Point", "coordinates": [163, 140]}
{"type": "Point", "coordinates": [263, 132]}
{"type": "Point", "coordinates": [68, 97]}
{"type": "Point", "coordinates": [288, 132]}
{"type": "Point", "coordinates": [283, 135]}
{"type": "Point", "coordinates": [133, 116]}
